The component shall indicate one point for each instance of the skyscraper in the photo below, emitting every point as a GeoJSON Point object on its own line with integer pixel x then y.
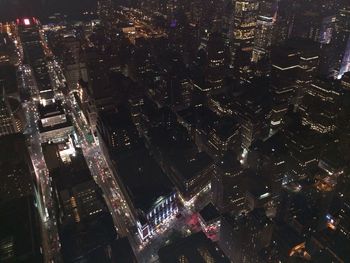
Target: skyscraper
{"type": "Point", "coordinates": [7, 121]}
{"type": "Point", "coordinates": [264, 30]}
{"type": "Point", "coordinates": [243, 31]}
{"type": "Point", "coordinates": [217, 62]}
{"type": "Point", "coordinates": [244, 22]}
{"type": "Point", "coordinates": [263, 38]}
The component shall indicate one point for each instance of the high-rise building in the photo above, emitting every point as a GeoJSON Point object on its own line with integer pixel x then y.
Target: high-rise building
{"type": "Point", "coordinates": [74, 68]}
{"type": "Point", "coordinates": [284, 21]}
{"type": "Point", "coordinates": [242, 40]}
{"type": "Point", "coordinates": [86, 228]}
{"type": "Point", "coordinates": [227, 192]}
{"type": "Point", "coordinates": [217, 62]}
{"type": "Point", "coordinates": [242, 239]}
{"type": "Point", "coordinates": [7, 50]}
{"type": "Point", "coordinates": [294, 64]}
{"type": "Point", "coordinates": [7, 121]}
{"type": "Point", "coordinates": [320, 106]}
{"type": "Point", "coordinates": [17, 172]}
{"type": "Point", "coordinates": [244, 23]}
{"type": "Point", "coordinates": [264, 30]}
{"type": "Point", "coordinates": [20, 237]}
{"type": "Point", "coordinates": [285, 67]}
{"type": "Point", "coordinates": [263, 38]}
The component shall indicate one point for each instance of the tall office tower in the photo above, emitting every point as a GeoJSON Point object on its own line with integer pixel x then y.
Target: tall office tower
{"type": "Point", "coordinates": [17, 172]}
{"type": "Point", "coordinates": [85, 225]}
{"type": "Point", "coordinates": [284, 21]}
{"type": "Point", "coordinates": [264, 30]}
{"type": "Point", "coordinates": [242, 35]}
{"type": "Point", "coordinates": [20, 235]}
{"type": "Point", "coordinates": [6, 120]}
{"type": "Point", "coordinates": [263, 38]}
{"type": "Point", "coordinates": [217, 62]}
{"type": "Point", "coordinates": [35, 56]}
{"type": "Point", "coordinates": [294, 64]}
{"type": "Point", "coordinates": [285, 67]}
{"type": "Point", "coordinates": [244, 22]}
{"type": "Point", "coordinates": [8, 53]}
{"type": "Point", "coordinates": [320, 106]}
{"type": "Point", "coordinates": [308, 67]}
{"type": "Point", "coordinates": [74, 69]}
{"type": "Point", "coordinates": [307, 24]}
{"type": "Point", "coordinates": [8, 123]}
{"type": "Point", "coordinates": [244, 238]}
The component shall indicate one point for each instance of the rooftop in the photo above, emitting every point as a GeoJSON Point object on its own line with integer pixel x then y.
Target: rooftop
{"type": "Point", "coordinates": [142, 177]}
{"type": "Point", "coordinates": [20, 231]}
{"type": "Point", "coordinates": [50, 110]}
{"type": "Point", "coordinates": [193, 248]}
{"type": "Point", "coordinates": [180, 151]}
{"type": "Point", "coordinates": [209, 213]}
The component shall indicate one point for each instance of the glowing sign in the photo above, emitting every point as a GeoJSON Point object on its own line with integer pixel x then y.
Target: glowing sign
{"type": "Point", "coordinates": [264, 196]}
{"type": "Point", "coordinates": [26, 21]}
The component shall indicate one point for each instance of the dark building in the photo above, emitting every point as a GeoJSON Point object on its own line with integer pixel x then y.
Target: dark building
{"type": "Point", "coordinates": [8, 123]}
{"type": "Point", "coordinates": [242, 239]}
{"type": "Point", "coordinates": [215, 134]}
{"type": "Point", "coordinates": [270, 158]}
{"type": "Point", "coordinates": [196, 248]}
{"type": "Point", "coordinates": [227, 191]}
{"type": "Point", "coordinates": [85, 225]}
{"type": "Point", "coordinates": [217, 62]}
{"type": "Point", "coordinates": [321, 106]}
{"type": "Point", "coordinates": [20, 235]}
{"type": "Point", "coordinates": [122, 251]}
{"type": "Point", "coordinates": [35, 56]}
{"type": "Point", "coordinates": [210, 219]}
{"type": "Point", "coordinates": [188, 167]}
{"type": "Point", "coordinates": [303, 148]}
{"type": "Point", "coordinates": [294, 64]}
{"type": "Point", "coordinates": [17, 172]}
{"type": "Point", "coordinates": [148, 191]}
{"type": "Point", "coordinates": [8, 54]}
{"type": "Point", "coordinates": [117, 129]}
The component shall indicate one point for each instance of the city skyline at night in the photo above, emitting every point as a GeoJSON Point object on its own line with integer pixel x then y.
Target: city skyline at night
{"type": "Point", "coordinates": [161, 131]}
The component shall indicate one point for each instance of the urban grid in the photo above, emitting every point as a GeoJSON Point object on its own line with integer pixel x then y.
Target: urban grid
{"type": "Point", "coordinates": [175, 131]}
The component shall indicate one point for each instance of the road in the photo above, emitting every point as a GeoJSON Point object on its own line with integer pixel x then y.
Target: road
{"type": "Point", "coordinates": [51, 243]}
{"type": "Point", "coordinates": [100, 170]}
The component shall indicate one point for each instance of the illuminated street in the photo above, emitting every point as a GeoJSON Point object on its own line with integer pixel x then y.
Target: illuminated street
{"type": "Point", "coordinates": [174, 131]}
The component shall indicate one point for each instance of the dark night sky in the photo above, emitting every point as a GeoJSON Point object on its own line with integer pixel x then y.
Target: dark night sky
{"type": "Point", "coordinates": [11, 9]}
